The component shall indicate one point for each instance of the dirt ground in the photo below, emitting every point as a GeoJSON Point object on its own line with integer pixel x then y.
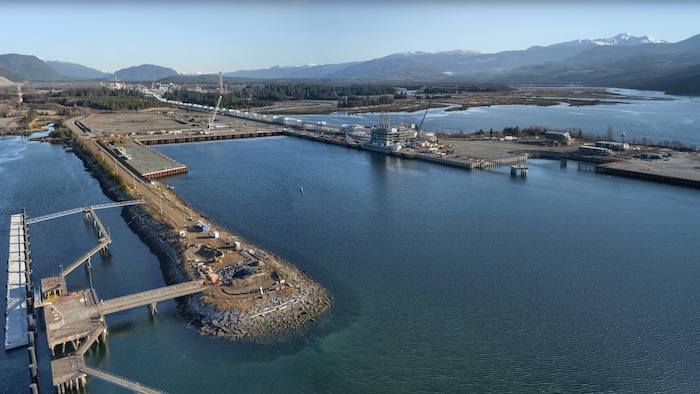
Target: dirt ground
{"type": "Point", "coordinates": [153, 120]}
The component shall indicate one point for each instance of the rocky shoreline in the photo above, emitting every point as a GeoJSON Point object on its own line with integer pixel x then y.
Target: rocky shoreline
{"type": "Point", "coordinates": [282, 307]}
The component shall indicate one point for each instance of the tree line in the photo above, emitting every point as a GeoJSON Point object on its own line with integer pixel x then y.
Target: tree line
{"type": "Point", "coordinates": [100, 98]}
{"type": "Point", "coordinates": [364, 101]}
{"type": "Point", "coordinates": [260, 95]}
{"type": "Point", "coordinates": [464, 89]}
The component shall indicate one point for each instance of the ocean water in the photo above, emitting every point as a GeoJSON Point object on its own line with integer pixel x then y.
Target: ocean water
{"type": "Point", "coordinates": [449, 280]}
{"type": "Point", "coordinates": [442, 279]}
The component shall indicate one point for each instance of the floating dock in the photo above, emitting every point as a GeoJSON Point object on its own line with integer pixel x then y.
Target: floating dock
{"type": "Point", "coordinates": [18, 284]}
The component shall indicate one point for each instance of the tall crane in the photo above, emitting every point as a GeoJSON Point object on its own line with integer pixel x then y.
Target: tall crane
{"type": "Point", "coordinates": [420, 126]}
{"type": "Point", "coordinates": [218, 102]}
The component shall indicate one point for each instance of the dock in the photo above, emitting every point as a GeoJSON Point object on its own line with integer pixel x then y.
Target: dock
{"type": "Point", "coordinates": [218, 136]}
{"type": "Point", "coordinates": [145, 162]}
{"type": "Point", "coordinates": [74, 320]}
{"type": "Point", "coordinates": [19, 287]}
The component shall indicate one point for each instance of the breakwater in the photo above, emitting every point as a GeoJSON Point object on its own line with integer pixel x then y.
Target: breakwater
{"type": "Point", "coordinates": [284, 305]}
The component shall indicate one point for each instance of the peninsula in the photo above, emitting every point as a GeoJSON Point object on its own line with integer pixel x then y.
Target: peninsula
{"type": "Point", "coordinates": [251, 291]}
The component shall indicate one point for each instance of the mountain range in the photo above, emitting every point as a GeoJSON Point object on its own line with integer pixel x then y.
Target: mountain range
{"type": "Point", "coordinates": [621, 61]}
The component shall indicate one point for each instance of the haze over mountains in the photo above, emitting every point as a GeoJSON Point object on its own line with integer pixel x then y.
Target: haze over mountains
{"type": "Point", "coordinates": [621, 61]}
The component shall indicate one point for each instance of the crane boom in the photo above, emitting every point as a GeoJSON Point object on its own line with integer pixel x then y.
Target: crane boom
{"type": "Point", "coordinates": [218, 102]}
{"type": "Point", "coordinates": [424, 115]}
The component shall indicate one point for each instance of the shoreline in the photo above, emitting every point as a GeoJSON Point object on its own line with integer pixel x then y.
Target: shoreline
{"type": "Point", "coordinates": [281, 307]}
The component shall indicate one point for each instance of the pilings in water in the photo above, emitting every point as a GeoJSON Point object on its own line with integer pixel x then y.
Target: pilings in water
{"type": "Point", "coordinates": [102, 235]}
{"type": "Point", "coordinates": [469, 165]}
{"type": "Point", "coordinates": [33, 363]}
{"type": "Point", "coordinates": [504, 161]}
{"type": "Point", "coordinates": [587, 167]}
{"type": "Point", "coordinates": [78, 383]}
{"type": "Point", "coordinates": [670, 180]}
{"type": "Point", "coordinates": [519, 168]}
{"type": "Point", "coordinates": [234, 135]}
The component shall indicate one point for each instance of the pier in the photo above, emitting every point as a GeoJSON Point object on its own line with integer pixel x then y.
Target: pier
{"type": "Point", "coordinates": [74, 320]}
{"type": "Point", "coordinates": [19, 285]}
{"type": "Point", "coordinates": [77, 319]}
{"type": "Point", "coordinates": [219, 136]}
{"type": "Point", "coordinates": [145, 162]}
{"type": "Point", "coordinates": [522, 169]}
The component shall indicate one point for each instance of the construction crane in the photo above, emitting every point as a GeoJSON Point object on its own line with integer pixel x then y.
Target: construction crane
{"type": "Point", "coordinates": [218, 102]}
{"type": "Point", "coordinates": [420, 126]}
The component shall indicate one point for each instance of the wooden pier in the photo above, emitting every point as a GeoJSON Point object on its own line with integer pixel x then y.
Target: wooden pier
{"type": "Point", "coordinates": [76, 321]}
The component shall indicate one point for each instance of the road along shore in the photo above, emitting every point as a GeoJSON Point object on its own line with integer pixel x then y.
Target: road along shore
{"type": "Point", "coordinates": [252, 293]}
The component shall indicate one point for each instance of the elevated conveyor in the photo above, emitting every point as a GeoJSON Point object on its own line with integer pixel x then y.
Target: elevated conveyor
{"type": "Point", "coordinates": [150, 297]}
{"type": "Point", "coordinates": [128, 384]}
{"type": "Point", "coordinates": [83, 209]}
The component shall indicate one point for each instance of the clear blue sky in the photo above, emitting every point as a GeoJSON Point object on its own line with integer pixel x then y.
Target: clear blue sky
{"type": "Point", "coordinates": [211, 36]}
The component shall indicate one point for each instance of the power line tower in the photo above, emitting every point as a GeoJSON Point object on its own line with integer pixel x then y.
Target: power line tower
{"type": "Point", "coordinates": [20, 100]}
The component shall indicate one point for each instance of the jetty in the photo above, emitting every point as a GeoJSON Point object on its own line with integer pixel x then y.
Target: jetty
{"type": "Point", "coordinates": [74, 320]}
{"type": "Point", "coordinates": [19, 285]}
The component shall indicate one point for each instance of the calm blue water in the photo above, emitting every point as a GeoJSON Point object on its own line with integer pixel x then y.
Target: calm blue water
{"type": "Point", "coordinates": [674, 119]}
{"type": "Point", "coordinates": [449, 280]}
{"type": "Point", "coordinates": [443, 280]}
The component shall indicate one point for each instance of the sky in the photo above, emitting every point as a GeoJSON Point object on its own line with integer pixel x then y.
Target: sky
{"type": "Point", "coordinates": [209, 36]}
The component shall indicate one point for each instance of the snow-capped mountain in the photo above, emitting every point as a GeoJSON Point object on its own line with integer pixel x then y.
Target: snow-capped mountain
{"type": "Point", "coordinates": [626, 39]}
{"type": "Point", "coordinates": [422, 64]}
